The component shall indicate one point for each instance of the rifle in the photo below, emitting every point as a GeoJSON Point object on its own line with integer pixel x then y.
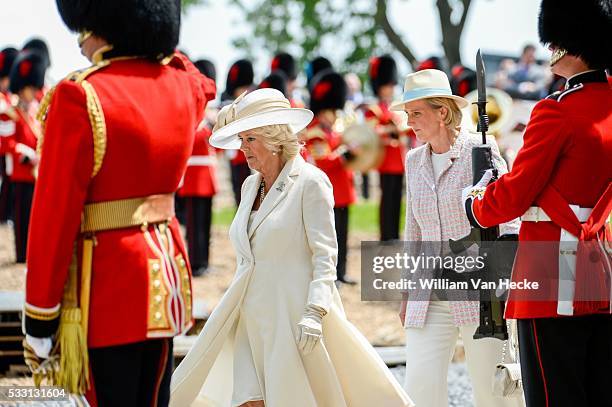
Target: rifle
{"type": "Point", "coordinates": [492, 322]}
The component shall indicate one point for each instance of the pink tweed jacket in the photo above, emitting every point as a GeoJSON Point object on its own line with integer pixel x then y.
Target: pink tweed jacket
{"type": "Point", "coordinates": [434, 213]}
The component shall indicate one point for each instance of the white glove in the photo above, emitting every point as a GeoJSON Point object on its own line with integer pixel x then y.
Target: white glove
{"type": "Point", "coordinates": [476, 191]}
{"type": "Point", "coordinates": [310, 330]}
{"type": "Point", "coordinates": [41, 346]}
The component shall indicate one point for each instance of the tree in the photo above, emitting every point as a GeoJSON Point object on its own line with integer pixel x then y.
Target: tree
{"type": "Point", "coordinates": [188, 3]}
{"type": "Point", "coordinates": [356, 29]}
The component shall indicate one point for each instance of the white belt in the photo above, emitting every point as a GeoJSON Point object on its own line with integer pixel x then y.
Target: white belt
{"type": "Point", "coordinates": [7, 128]}
{"type": "Point", "coordinates": [537, 214]}
{"type": "Point", "coordinates": [201, 160]}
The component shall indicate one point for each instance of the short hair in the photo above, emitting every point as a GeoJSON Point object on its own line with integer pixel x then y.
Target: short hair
{"type": "Point", "coordinates": [528, 47]}
{"type": "Point", "coordinates": [280, 138]}
{"type": "Point", "coordinates": [453, 116]}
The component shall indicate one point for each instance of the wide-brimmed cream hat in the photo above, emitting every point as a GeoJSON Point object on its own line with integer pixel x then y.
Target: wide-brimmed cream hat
{"type": "Point", "coordinates": [425, 84]}
{"type": "Point", "coordinates": [261, 107]}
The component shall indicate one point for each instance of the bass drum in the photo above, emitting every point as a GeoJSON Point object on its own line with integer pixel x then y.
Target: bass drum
{"type": "Point", "coordinates": [368, 150]}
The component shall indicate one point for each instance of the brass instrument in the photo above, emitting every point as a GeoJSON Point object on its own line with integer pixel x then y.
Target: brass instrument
{"type": "Point", "coordinates": [499, 109]}
{"type": "Point", "coordinates": [359, 138]}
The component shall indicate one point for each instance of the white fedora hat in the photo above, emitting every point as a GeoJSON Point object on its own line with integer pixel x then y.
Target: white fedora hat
{"type": "Point", "coordinates": [262, 107]}
{"type": "Point", "coordinates": [425, 84]}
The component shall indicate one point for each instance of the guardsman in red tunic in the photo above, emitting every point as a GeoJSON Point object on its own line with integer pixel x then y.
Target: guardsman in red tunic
{"type": "Point", "coordinates": [325, 148]}
{"type": "Point", "coordinates": [26, 81]}
{"type": "Point", "coordinates": [383, 78]}
{"type": "Point", "coordinates": [239, 79]}
{"type": "Point", "coordinates": [285, 63]}
{"type": "Point", "coordinates": [7, 129]}
{"type": "Point", "coordinates": [106, 262]}
{"type": "Point", "coordinates": [199, 187]}
{"type": "Point", "coordinates": [560, 187]}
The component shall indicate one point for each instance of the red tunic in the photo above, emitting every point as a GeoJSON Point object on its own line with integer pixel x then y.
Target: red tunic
{"type": "Point", "coordinates": [394, 149]}
{"type": "Point", "coordinates": [7, 124]}
{"type": "Point", "coordinates": [200, 177]}
{"type": "Point", "coordinates": [321, 143]}
{"type": "Point", "coordinates": [22, 147]}
{"type": "Point", "coordinates": [151, 111]}
{"type": "Point", "coordinates": [567, 145]}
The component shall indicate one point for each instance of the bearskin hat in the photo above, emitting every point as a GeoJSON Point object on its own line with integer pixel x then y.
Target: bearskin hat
{"type": "Point", "coordinates": [240, 74]}
{"type": "Point", "coordinates": [382, 71]}
{"type": "Point", "coordinates": [432, 63]}
{"type": "Point", "coordinates": [28, 70]}
{"type": "Point", "coordinates": [40, 46]}
{"type": "Point", "coordinates": [329, 91]}
{"type": "Point", "coordinates": [7, 57]}
{"type": "Point", "coordinates": [286, 63]}
{"type": "Point", "coordinates": [276, 80]}
{"type": "Point", "coordinates": [148, 28]}
{"type": "Point", "coordinates": [207, 68]}
{"type": "Point", "coordinates": [463, 80]}
{"type": "Point", "coordinates": [314, 67]}
{"type": "Point", "coordinates": [580, 27]}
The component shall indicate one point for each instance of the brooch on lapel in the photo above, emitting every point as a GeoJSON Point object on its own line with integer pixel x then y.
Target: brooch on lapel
{"type": "Point", "coordinates": [281, 186]}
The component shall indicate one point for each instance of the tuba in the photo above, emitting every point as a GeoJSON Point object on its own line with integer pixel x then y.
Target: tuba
{"type": "Point", "coordinates": [499, 109]}
{"type": "Point", "coordinates": [359, 137]}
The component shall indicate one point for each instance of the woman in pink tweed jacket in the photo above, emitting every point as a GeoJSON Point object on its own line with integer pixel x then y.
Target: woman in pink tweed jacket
{"type": "Point", "coordinates": [437, 172]}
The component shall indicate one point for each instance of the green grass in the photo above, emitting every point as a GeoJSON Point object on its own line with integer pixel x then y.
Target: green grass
{"type": "Point", "coordinates": [223, 216]}
{"type": "Point", "coordinates": [363, 217]}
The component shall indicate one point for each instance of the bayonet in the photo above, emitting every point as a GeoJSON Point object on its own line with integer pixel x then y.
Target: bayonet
{"type": "Point", "coordinates": [481, 85]}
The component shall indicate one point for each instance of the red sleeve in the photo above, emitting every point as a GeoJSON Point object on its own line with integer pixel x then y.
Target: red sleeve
{"type": "Point", "coordinates": [511, 195]}
{"type": "Point", "coordinates": [61, 188]}
{"type": "Point", "coordinates": [325, 160]}
{"type": "Point", "coordinates": [204, 87]}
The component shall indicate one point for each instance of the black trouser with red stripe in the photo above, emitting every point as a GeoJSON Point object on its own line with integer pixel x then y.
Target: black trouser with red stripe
{"type": "Point", "coordinates": [198, 217]}
{"type": "Point", "coordinates": [23, 193]}
{"type": "Point", "coordinates": [240, 172]}
{"type": "Point", "coordinates": [6, 194]}
{"type": "Point", "coordinates": [567, 361]}
{"type": "Point", "coordinates": [341, 219]}
{"type": "Point", "coordinates": [390, 206]}
{"type": "Point", "coordinates": [137, 374]}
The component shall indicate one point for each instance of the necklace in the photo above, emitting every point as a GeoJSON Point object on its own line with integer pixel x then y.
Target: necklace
{"type": "Point", "coordinates": [262, 191]}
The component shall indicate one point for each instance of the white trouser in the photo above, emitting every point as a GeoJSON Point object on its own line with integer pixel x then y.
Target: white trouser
{"type": "Point", "coordinates": [429, 351]}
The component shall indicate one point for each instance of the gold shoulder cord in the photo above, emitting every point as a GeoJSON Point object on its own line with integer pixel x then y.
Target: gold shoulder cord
{"type": "Point", "coordinates": [98, 125]}
{"type": "Point", "coordinates": [41, 116]}
{"type": "Point", "coordinates": [94, 110]}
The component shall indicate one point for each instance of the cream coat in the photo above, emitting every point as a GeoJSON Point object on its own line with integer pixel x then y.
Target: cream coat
{"type": "Point", "coordinates": [285, 261]}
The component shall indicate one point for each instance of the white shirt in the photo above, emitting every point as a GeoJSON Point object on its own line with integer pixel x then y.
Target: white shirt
{"type": "Point", "coordinates": [439, 163]}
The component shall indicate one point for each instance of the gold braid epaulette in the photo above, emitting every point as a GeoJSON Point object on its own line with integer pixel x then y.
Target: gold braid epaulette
{"type": "Point", "coordinates": [94, 111]}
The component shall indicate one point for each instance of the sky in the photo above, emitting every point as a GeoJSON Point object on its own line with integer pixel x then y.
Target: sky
{"type": "Point", "coordinates": [495, 26]}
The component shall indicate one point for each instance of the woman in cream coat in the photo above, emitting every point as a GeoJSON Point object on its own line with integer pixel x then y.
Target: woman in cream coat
{"type": "Point", "coordinates": [435, 174]}
{"type": "Point", "coordinates": [279, 336]}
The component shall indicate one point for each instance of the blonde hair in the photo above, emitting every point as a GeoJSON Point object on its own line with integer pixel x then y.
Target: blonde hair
{"type": "Point", "coordinates": [453, 116]}
{"type": "Point", "coordinates": [279, 139]}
